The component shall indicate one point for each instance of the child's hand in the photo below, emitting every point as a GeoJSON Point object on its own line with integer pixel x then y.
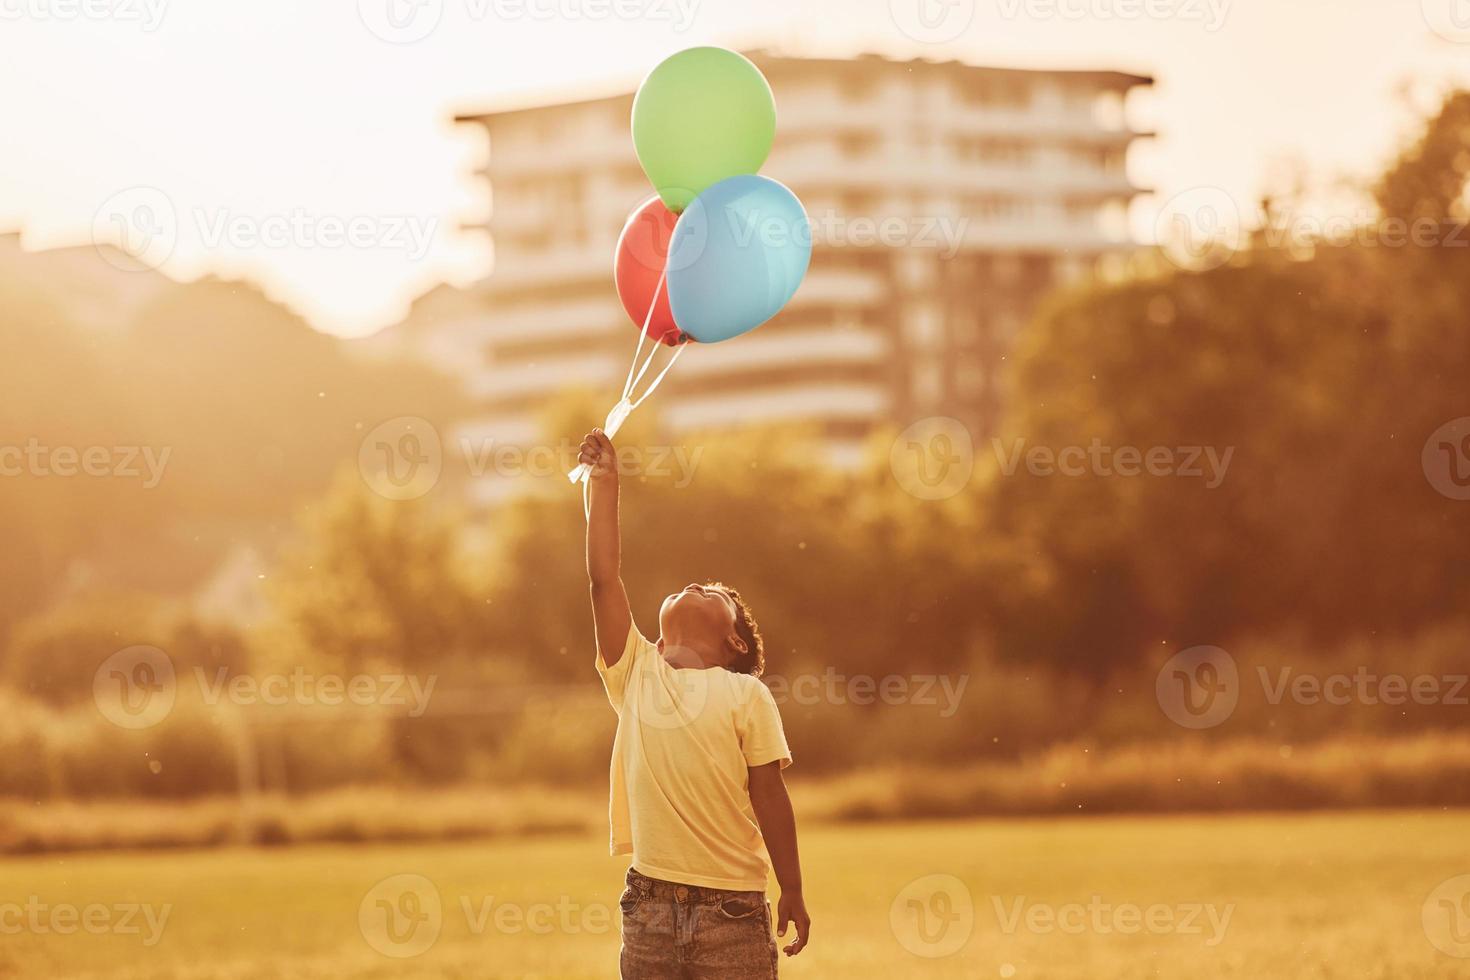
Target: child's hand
{"type": "Point", "coordinates": [599, 455]}
{"type": "Point", "coordinates": [792, 909]}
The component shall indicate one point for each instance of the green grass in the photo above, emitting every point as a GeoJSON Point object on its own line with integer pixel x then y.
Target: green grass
{"type": "Point", "coordinates": [1311, 896]}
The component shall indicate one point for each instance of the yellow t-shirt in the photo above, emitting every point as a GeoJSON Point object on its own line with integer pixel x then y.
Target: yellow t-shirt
{"type": "Point", "coordinates": [680, 789]}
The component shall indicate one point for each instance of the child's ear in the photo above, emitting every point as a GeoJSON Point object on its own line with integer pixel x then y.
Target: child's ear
{"type": "Point", "coordinates": [735, 641]}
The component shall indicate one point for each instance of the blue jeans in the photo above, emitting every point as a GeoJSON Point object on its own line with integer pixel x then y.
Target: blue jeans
{"type": "Point", "coordinates": [684, 932]}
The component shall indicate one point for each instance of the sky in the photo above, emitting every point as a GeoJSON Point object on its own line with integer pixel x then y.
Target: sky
{"type": "Point", "coordinates": [307, 144]}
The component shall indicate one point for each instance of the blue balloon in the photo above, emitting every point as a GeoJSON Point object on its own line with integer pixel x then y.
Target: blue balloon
{"type": "Point", "coordinates": [737, 255]}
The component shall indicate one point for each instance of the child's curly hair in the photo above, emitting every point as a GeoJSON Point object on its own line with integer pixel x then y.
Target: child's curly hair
{"type": "Point", "coordinates": [754, 661]}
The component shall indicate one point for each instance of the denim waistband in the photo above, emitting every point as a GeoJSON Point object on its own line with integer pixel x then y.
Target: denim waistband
{"type": "Point", "coordinates": [672, 891]}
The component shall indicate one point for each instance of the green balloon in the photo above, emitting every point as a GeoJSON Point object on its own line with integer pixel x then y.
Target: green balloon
{"type": "Point", "coordinates": [701, 116]}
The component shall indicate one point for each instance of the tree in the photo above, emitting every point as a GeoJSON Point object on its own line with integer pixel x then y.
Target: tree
{"type": "Point", "coordinates": [374, 584]}
{"type": "Point", "coordinates": [1324, 376]}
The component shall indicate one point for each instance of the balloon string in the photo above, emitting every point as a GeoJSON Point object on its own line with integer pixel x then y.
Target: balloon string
{"type": "Point", "coordinates": [647, 320]}
{"type": "Point", "coordinates": [633, 382]}
{"type": "Point", "coordinates": [649, 390]}
{"type": "Point", "coordinates": [619, 412]}
{"type": "Point", "coordinates": [628, 382]}
{"type": "Point", "coordinates": [642, 370]}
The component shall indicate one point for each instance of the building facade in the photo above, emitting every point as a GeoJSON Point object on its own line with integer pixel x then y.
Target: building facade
{"type": "Point", "coordinates": [945, 200]}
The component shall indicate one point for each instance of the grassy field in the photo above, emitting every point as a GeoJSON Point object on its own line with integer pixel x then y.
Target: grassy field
{"type": "Point", "coordinates": [1290, 896]}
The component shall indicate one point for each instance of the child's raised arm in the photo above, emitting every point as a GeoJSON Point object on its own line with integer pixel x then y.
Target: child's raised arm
{"type": "Point", "coordinates": [611, 616]}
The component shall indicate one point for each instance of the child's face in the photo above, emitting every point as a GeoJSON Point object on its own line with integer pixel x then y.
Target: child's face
{"type": "Point", "coordinates": [698, 612]}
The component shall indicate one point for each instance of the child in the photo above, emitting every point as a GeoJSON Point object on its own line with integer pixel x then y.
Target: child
{"type": "Point", "coordinates": [697, 792]}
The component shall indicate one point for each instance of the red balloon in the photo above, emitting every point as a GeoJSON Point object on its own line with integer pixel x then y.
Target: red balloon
{"type": "Point", "coordinates": [643, 251]}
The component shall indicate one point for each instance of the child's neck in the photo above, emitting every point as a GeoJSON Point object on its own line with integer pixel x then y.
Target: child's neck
{"type": "Point", "coordinates": [683, 655]}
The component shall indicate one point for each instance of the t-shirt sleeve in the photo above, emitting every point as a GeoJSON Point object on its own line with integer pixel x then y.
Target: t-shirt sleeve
{"type": "Point", "coordinates": [762, 739]}
{"type": "Point", "coordinates": [615, 678]}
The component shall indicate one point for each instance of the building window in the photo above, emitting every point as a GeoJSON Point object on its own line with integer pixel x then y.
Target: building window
{"type": "Point", "coordinates": [915, 271]}
{"type": "Point", "coordinates": [859, 87]}
{"type": "Point", "coordinates": [1107, 110]}
{"type": "Point", "coordinates": [858, 204]}
{"type": "Point", "coordinates": [969, 377]}
{"type": "Point", "coordinates": [857, 145]}
{"type": "Point", "coordinates": [925, 383]}
{"type": "Point", "coordinates": [981, 149]}
{"type": "Point", "coordinates": [560, 199]}
{"type": "Point", "coordinates": [922, 327]}
{"type": "Point", "coordinates": [965, 330]}
{"type": "Point", "coordinates": [1081, 212]}
{"type": "Point", "coordinates": [1000, 208]}
{"type": "Point", "coordinates": [995, 93]}
{"type": "Point", "coordinates": [1007, 269]}
{"type": "Point", "coordinates": [1103, 158]}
